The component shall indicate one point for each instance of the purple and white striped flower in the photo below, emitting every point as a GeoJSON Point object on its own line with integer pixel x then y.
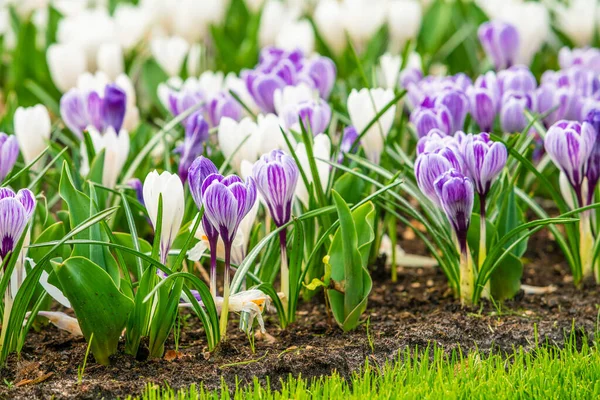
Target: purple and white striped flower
{"type": "Point", "coordinates": [456, 195]}
{"type": "Point", "coordinates": [593, 164]}
{"type": "Point", "coordinates": [314, 115]}
{"type": "Point", "coordinates": [16, 209]}
{"type": "Point", "coordinates": [431, 165]}
{"type": "Point", "coordinates": [430, 116]}
{"type": "Point", "coordinates": [223, 105]}
{"type": "Point", "coordinates": [9, 152]}
{"type": "Point", "coordinates": [569, 145]}
{"type": "Point", "coordinates": [500, 42]}
{"type": "Point", "coordinates": [517, 78]}
{"type": "Point", "coordinates": [558, 99]}
{"type": "Point", "coordinates": [587, 57]}
{"type": "Point", "coordinates": [276, 175]}
{"type": "Point", "coordinates": [457, 103]}
{"type": "Point", "coordinates": [512, 110]}
{"type": "Point", "coordinates": [483, 160]}
{"type": "Point", "coordinates": [196, 133]}
{"type": "Point", "coordinates": [322, 72]}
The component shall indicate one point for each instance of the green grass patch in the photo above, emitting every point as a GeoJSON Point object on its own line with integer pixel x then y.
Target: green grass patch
{"type": "Point", "coordinates": [572, 372]}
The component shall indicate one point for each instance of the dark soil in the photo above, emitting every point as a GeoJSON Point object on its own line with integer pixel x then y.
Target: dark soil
{"type": "Point", "coordinates": [418, 310]}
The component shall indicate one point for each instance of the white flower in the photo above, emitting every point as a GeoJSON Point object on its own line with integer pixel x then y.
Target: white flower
{"type": "Point", "coordinates": [254, 6]}
{"type": "Point", "coordinates": [170, 53]}
{"type": "Point", "coordinates": [362, 19]}
{"type": "Point", "coordinates": [274, 17]}
{"type": "Point", "coordinates": [389, 70]}
{"type": "Point", "coordinates": [110, 60]}
{"type": "Point", "coordinates": [363, 106]}
{"type": "Point", "coordinates": [578, 20]}
{"type": "Point", "coordinates": [296, 35]}
{"type": "Point", "coordinates": [211, 82]}
{"type": "Point", "coordinates": [65, 62]}
{"type": "Point", "coordinates": [132, 114]}
{"type": "Point", "coordinates": [132, 24]}
{"type": "Point", "coordinates": [238, 86]}
{"type": "Point", "coordinates": [404, 22]}
{"type": "Point", "coordinates": [192, 64]}
{"type": "Point", "coordinates": [321, 150]}
{"type": "Point", "coordinates": [231, 134]}
{"type": "Point", "coordinates": [328, 19]}
{"type": "Point", "coordinates": [116, 151]}
{"type": "Point", "coordinates": [292, 95]}
{"type": "Point", "coordinates": [271, 136]}
{"type": "Point", "coordinates": [173, 204]}
{"type": "Point", "coordinates": [32, 129]}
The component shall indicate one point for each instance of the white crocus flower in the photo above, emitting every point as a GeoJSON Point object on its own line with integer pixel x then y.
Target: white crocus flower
{"type": "Point", "coordinates": [578, 20]}
{"type": "Point", "coordinates": [271, 135]}
{"type": "Point", "coordinates": [173, 204]}
{"type": "Point", "coordinates": [211, 82]}
{"type": "Point", "coordinates": [238, 86]}
{"type": "Point", "coordinates": [132, 113]}
{"type": "Point", "coordinates": [239, 141]}
{"type": "Point", "coordinates": [116, 150]}
{"type": "Point", "coordinates": [192, 64]}
{"type": "Point", "coordinates": [170, 53]}
{"type": "Point", "coordinates": [32, 129]}
{"type": "Point", "coordinates": [275, 15]}
{"type": "Point", "coordinates": [361, 28]}
{"type": "Point", "coordinates": [292, 95]}
{"type": "Point", "coordinates": [65, 62]}
{"type": "Point", "coordinates": [296, 35]}
{"type": "Point", "coordinates": [132, 24]}
{"type": "Point", "coordinates": [363, 106]}
{"type": "Point", "coordinates": [328, 19]}
{"type": "Point", "coordinates": [404, 21]}
{"type": "Point", "coordinates": [389, 70]}
{"type": "Point", "coordinates": [110, 60]}
{"type": "Point", "coordinates": [321, 150]}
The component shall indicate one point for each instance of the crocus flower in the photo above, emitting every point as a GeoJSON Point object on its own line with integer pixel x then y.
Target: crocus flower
{"type": "Point", "coordinates": [484, 160]}
{"type": "Point", "coordinates": [512, 112]}
{"type": "Point", "coordinates": [363, 106]}
{"type": "Point", "coordinates": [15, 212]}
{"type": "Point", "coordinates": [483, 107]}
{"type": "Point", "coordinates": [455, 193]}
{"type": "Point", "coordinates": [457, 103]}
{"type": "Point", "coordinates": [168, 186]}
{"type": "Point", "coordinates": [588, 57]}
{"type": "Point", "coordinates": [569, 145]}
{"type": "Point", "coordinates": [9, 151]}
{"type": "Point", "coordinates": [430, 166]}
{"type": "Point", "coordinates": [169, 53]}
{"type": "Point", "coordinates": [430, 116]}
{"type": "Point", "coordinates": [66, 62]}
{"type": "Point", "coordinates": [32, 129]}
{"type": "Point", "coordinates": [196, 133]}
{"type": "Point", "coordinates": [516, 78]}
{"type": "Point", "coordinates": [500, 42]}
{"type": "Point", "coordinates": [116, 151]}
{"type": "Point", "coordinates": [223, 105]}
{"type": "Point", "coordinates": [549, 97]}
{"type": "Point", "coordinates": [239, 140]}
{"type": "Point", "coordinates": [593, 164]}
{"type": "Point", "coordinates": [315, 115]}
{"type": "Point", "coordinates": [200, 169]}
{"type": "Point", "coordinates": [138, 188]}
{"type": "Point", "coordinates": [348, 138]}
{"type": "Point", "coordinates": [322, 72]}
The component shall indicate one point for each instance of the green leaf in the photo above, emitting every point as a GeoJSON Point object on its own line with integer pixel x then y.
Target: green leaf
{"type": "Point", "coordinates": [101, 309]}
{"type": "Point", "coordinates": [53, 232]}
{"type": "Point", "coordinates": [350, 187]}
{"type": "Point", "coordinates": [348, 256]}
{"type": "Point", "coordinates": [509, 218]}
{"type": "Point", "coordinates": [506, 278]}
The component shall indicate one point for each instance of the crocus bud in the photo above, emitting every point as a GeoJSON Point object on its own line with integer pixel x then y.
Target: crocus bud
{"type": "Point", "coordinates": [114, 105]}
{"type": "Point", "coordinates": [196, 133]}
{"type": "Point", "coordinates": [296, 35]}
{"type": "Point", "coordinates": [569, 145]}
{"type": "Point", "coordinates": [73, 111]}
{"type": "Point", "coordinates": [512, 112]}
{"type": "Point", "coordinates": [483, 107]}
{"type": "Point", "coordinates": [15, 212]}
{"type": "Point", "coordinates": [430, 116]}
{"type": "Point", "coordinates": [231, 134]}
{"type": "Point", "coordinates": [500, 42]}
{"type": "Point", "coordinates": [550, 97]}
{"type": "Point", "coordinates": [315, 115]}
{"type": "Point", "coordinates": [32, 129]}
{"type": "Point", "coordinates": [262, 87]}
{"type": "Point", "coordinates": [389, 70]}
{"type": "Point", "coordinates": [363, 106]}
{"type": "Point", "coordinates": [403, 21]}
{"type": "Point", "coordinates": [516, 78]}
{"type": "Point", "coordinates": [456, 195]}
{"type": "Point", "coordinates": [588, 57]}
{"type": "Point", "coordinates": [168, 186]}
{"type": "Point", "coordinates": [349, 137]}
{"type": "Point", "coordinates": [9, 151]}
{"type": "Point", "coordinates": [457, 103]}
{"type": "Point", "coordinates": [137, 187]}
{"type": "Point", "coordinates": [226, 201]}
{"type": "Point", "coordinates": [429, 167]}
{"type": "Point", "coordinates": [329, 23]}
{"type": "Point", "coordinates": [276, 175]}
{"type": "Point", "coordinates": [484, 160]}
{"type": "Point", "coordinates": [170, 53]}
{"type": "Point", "coordinates": [66, 63]}
{"type": "Point", "coordinates": [116, 151]}
{"type": "Point", "coordinates": [593, 164]}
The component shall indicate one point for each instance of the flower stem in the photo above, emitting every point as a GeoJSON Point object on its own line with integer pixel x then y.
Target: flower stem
{"type": "Point", "coordinates": [466, 275]}
{"type": "Point", "coordinates": [482, 243]}
{"type": "Point", "coordinates": [586, 244]}
{"type": "Point", "coordinates": [225, 306]}
{"type": "Point", "coordinates": [285, 271]}
{"type": "Point", "coordinates": [212, 244]}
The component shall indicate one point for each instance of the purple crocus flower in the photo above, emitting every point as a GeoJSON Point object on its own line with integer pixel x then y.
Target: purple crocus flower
{"type": "Point", "coordinates": [429, 116]}
{"type": "Point", "coordinates": [593, 164]}
{"type": "Point", "coordinates": [262, 88]}
{"type": "Point", "coordinates": [137, 186]}
{"type": "Point", "coordinates": [314, 114]}
{"type": "Point", "coordinates": [9, 151]}
{"type": "Point", "coordinates": [15, 212]}
{"type": "Point", "coordinates": [516, 78]}
{"type": "Point", "coordinates": [73, 111]}
{"type": "Point", "coordinates": [559, 99]}
{"type": "Point", "coordinates": [512, 110]}
{"type": "Point", "coordinates": [431, 165]}
{"type": "Point", "coordinates": [200, 169]}
{"type": "Point", "coordinates": [500, 42]}
{"type": "Point", "coordinates": [456, 195]}
{"type": "Point", "coordinates": [457, 103]}
{"type": "Point", "coordinates": [114, 105]}
{"type": "Point", "coordinates": [196, 133]}
{"type": "Point", "coordinates": [483, 107]}
{"type": "Point", "coordinates": [223, 105]}
{"type": "Point", "coordinates": [484, 160]}
{"type": "Point", "coordinates": [569, 145]}
{"type": "Point", "coordinates": [348, 138]}
{"type": "Point", "coordinates": [276, 175]}
{"type": "Point", "coordinates": [321, 71]}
